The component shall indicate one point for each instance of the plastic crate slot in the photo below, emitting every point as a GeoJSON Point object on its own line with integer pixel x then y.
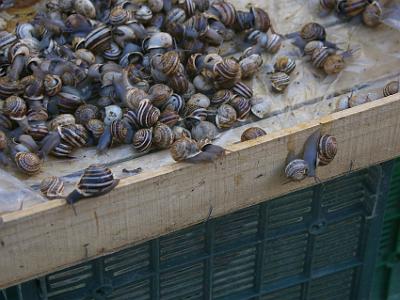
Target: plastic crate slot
{"type": "Point", "coordinates": [137, 291]}
{"type": "Point", "coordinates": [290, 293]}
{"type": "Point", "coordinates": [135, 261]}
{"type": "Point", "coordinates": [70, 272]}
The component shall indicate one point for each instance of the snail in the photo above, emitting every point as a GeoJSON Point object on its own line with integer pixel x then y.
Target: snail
{"type": "Point", "coordinates": [28, 162]}
{"type": "Point", "coordinates": [334, 64]}
{"type": "Point", "coordinates": [226, 116]}
{"type": "Point", "coordinates": [260, 107]}
{"type": "Point", "coordinates": [285, 64]}
{"type": "Point", "coordinates": [313, 32]}
{"type": "Point", "coordinates": [372, 14]}
{"type": "Point", "coordinates": [96, 180]}
{"type": "Point", "coordinates": [142, 140]}
{"type": "Point", "coordinates": [200, 100]}
{"type": "Point", "coordinates": [252, 133]}
{"type": "Point", "coordinates": [204, 130]}
{"type": "Point", "coordinates": [188, 150]}
{"type": "Point", "coordinates": [327, 149]}
{"type": "Point", "coordinates": [242, 106]}
{"type": "Point", "coordinates": [221, 97]}
{"type": "Point", "coordinates": [391, 88]}
{"type": "Point", "coordinates": [250, 65]}
{"type": "Point", "coordinates": [52, 187]}
{"type": "Point", "coordinates": [15, 108]}
{"type": "Point", "coordinates": [297, 169]}
{"type": "Point", "coordinates": [350, 8]}
{"type": "Point", "coordinates": [241, 89]}
{"type": "Point", "coordinates": [279, 81]}
{"type": "Point", "coordinates": [163, 136]}
{"type": "Point", "coordinates": [86, 112]}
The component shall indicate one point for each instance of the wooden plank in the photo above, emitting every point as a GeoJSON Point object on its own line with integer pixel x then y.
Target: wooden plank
{"type": "Point", "coordinates": [49, 236]}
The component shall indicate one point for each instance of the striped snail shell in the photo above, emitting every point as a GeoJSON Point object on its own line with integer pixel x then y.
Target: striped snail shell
{"type": "Point", "coordinates": [63, 150]}
{"type": "Point", "coordinates": [142, 140]}
{"type": "Point", "coordinates": [5, 122]}
{"type": "Point", "coordinates": [193, 62]}
{"type": "Point", "coordinates": [95, 127]}
{"type": "Point", "coordinates": [250, 65]}
{"type": "Point", "coordinates": [119, 16]}
{"type": "Point", "coordinates": [319, 57]}
{"type": "Point", "coordinates": [204, 130]}
{"type": "Point", "coordinates": [227, 72]}
{"type": "Point", "coordinates": [224, 11]}
{"type": "Point", "coordinates": [297, 170]}
{"type": "Point", "coordinates": [285, 64]}
{"type": "Point", "coordinates": [159, 94]}
{"type": "Point", "coordinates": [252, 133]}
{"type": "Point", "coordinates": [63, 119]}
{"type": "Point", "coordinates": [334, 64]}
{"type": "Point", "coordinates": [38, 130]}
{"type": "Point", "coordinates": [350, 8]}
{"type": "Point", "coordinates": [15, 107]}
{"type": "Point", "coordinates": [134, 96]}
{"type": "Point", "coordinates": [196, 112]}
{"type": "Point", "coordinates": [98, 39]}
{"type": "Point", "coordinates": [244, 20]}
{"type": "Point", "coordinates": [121, 131]}
{"type": "Point", "coordinates": [96, 180]}
{"type": "Point", "coordinates": [242, 106]}
{"type": "Point", "coordinates": [391, 88]}
{"type": "Point", "coordinates": [68, 100]}
{"type": "Point", "coordinates": [113, 52]}
{"type": "Point", "coordinates": [279, 81]}
{"type": "Point", "coordinates": [175, 103]}
{"type": "Point", "coordinates": [221, 97]}
{"type": "Point", "coordinates": [6, 40]}
{"type": "Point", "coordinates": [327, 149]}
{"type": "Point", "coordinates": [28, 162]}
{"type": "Point", "coordinates": [3, 141]}
{"type": "Point", "coordinates": [226, 116]}
{"type": "Point", "coordinates": [86, 112]}
{"type": "Point", "coordinates": [169, 117]}
{"type": "Point", "coordinates": [143, 14]}
{"type": "Point", "coordinates": [313, 32]}
{"type": "Point", "coordinates": [188, 5]}
{"type": "Point", "coordinates": [10, 87]}
{"type": "Point", "coordinates": [147, 114]}
{"type": "Point", "coordinates": [356, 100]}
{"type": "Point", "coordinates": [52, 187]}
{"type": "Point", "coordinates": [74, 134]}
{"type": "Point", "coordinates": [179, 83]}
{"type": "Point", "coordinates": [156, 6]}
{"type": "Point", "coordinates": [163, 136]}
{"type": "Point", "coordinates": [200, 100]}
{"type": "Point", "coordinates": [175, 15]}
{"type": "Point", "coordinates": [52, 84]}
{"type": "Point", "coordinates": [181, 132]}
{"type": "Point", "coordinates": [85, 8]}
{"type": "Point", "coordinates": [311, 46]}
{"type": "Point", "coordinates": [184, 148]}
{"type": "Point", "coordinates": [262, 21]}
{"type": "Point", "coordinates": [274, 43]}
{"type": "Point", "coordinates": [241, 89]}
{"type": "Point", "coordinates": [327, 4]}
{"type": "Point", "coordinates": [170, 63]}
{"type": "Point", "coordinates": [372, 14]}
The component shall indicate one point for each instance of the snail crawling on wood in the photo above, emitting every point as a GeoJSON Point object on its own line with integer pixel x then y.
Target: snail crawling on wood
{"type": "Point", "coordinates": [319, 150]}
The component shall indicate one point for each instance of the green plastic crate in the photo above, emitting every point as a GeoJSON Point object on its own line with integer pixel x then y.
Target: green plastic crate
{"type": "Point", "coordinates": [318, 243]}
{"type": "Point", "coordinates": [387, 273]}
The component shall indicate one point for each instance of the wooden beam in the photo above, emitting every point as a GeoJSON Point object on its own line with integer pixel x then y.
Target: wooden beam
{"type": "Point", "coordinates": [49, 236]}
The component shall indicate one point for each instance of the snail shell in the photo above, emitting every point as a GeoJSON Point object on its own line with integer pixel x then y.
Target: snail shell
{"type": "Point", "coordinates": [319, 56]}
{"type": "Point", "coordinates": [175, 103]}
{"type": "Point", "coordinates": [5, 122]}
{"type": "Point", "coordinates": [179, 83]}
{"type": "Point", "coordinates": [297, 169]}
{"type": "Point", "coordinates": [159, 94]}
{"type": "Point", "coordinates": [195, 112]}
{"type": "Point", "coordinates": [98, 39]}
{"type": "Point", "coordinates": [52, 187]}
{"type": "Point", "coordinates": [163, 136]}
{"type": "Point", "coordinates": [37, 114]}
{"type": "Point", "coordinates": [226, 116]}
{"type": "Point", "coordinates": [260, 107]}
{"type": "Point", "coordinates": [37, 130]}
{"type": "Point", "coordinates": [60, 120]}
{"type": "Point", "coordinates": [156, 6]}
{"type": "Point", "coordinates": [96, 180]}
{"type": "Point", "coordinates": [112, 112]}
{"type": "Point", "coordinates": [204, 130]}
{"type": "Point", "coordinates": [391, 88]}
{"type": "Point", "coordinates": [119, 16]}
{"type": "Point", "coordinates": [181, 132]}
{"type": "Point", "coordinates": [68, 100]}
{"type": "Point", "coordinates": [169, 118]}
{"type": "Point", "coordinates": [327, 149]}
{"type": "Point", "coordinates": [52, 84]}
{"type": "Point", "coordinates": [274, 43]}
{"type": "Point", "coordinates": [170, 63]}
{"type": "Point", "coordinates": [28, 162]}
{"type": "Point", "coordinates": [250, 65]}
{"type": "Point", "coordinates": [85, 7]}
{"type": "Point", "coordinates": [134, 96]}
{"type": "Point", "coordinates": [200, 100]}
{"type": "Point", "coordinates": [313, 32]}
{"type": "Point", "coordinates": [225, 11]}
{"type": "Point", "coordinates": [327, 4]}
{"type": "Point", "coordinates": [95, 127]}
{"type": "Point", "coordinates": [3, 141]}
{"type": "Point", "coordinates": [227, 72]}
{"type": "Point", "coordinates": [262, 21]}
{"type": "Point", "coordinates": [188, 5]}
{"type": "Point", "coordinates": [74, 134]}
{"type": "Point", "coordinates": [158, 40]}
{"type": "Point", "coordinates": [62, 150]}
{"type": "Point", "coordinates": [6, 40]}
{"type": "Point", "coordinates": [221, 97]}
{"type": "Point", "coordinates": [358, 100]}
{"type": "Point", "coordinates": [86, 112]}
{"type": "Point", "coordinates": [350, 8]}
{"type": "Point", "coordinates": [252, 133]}
{"type": "Point", "coordinates": [183, 149]}
{"type": "Point", "coordinates": [147, 114]}
{"type": "Point", "coordinates": [175, 15]}
{"type": "Point", "coordinates": [279, 81]}
{"type": "Point", "coordinates": [15, 107]}
{"type": "Point", "coordinates": [241, 89]}
{"type": "Point", "coordinates": [143, 14]}
{"type": "Point", "coordinates": [121, 132]}
{"type": "Point", "coordinates": [113, 52]}
{"type": "Point", "coordinates": [285, 64]}
{"type": "Point", "coordinates": [334, 64]}
{"type": "Point", "coordinates": [372, 14]}
{"type": "Point", "coordinates": [311, 46]}
{"type": "Point", "coordinates": [142, 140]}
{"type": "Point", "coordinates": [242, 107]}
{"type": "Point", "coordinates": [10, 88]}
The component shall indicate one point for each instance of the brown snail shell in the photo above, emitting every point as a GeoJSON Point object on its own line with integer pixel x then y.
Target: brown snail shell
{"type": "Point", "coordinates": [60, 120]}
{"type": "Point", "coordinates": [297, 169]}
{"type": "Point", "coordinates": [391, 88]}
{"type": "Point", "coordinates": [313, 32]}
{"type": "Point", "coordinates": [170, 63]}
{"type": "Point", "coordinates": [279, 81]}
{"type": "Point", "coordinates": [86, 112]}
{"type": "Point", "coordinates": [274, 43]}
{"type": "Point", "coordinates": [319, 57]}
{"type": "Point", "coordinates": [183, 149]}
{"type": "Point", "coordinates": [159, 94]}
{"type": "Point", "coordinates": [204, 130]}
{"type": "Point", "coordinates": [227, 72]}
{"type": "Point", "coordinates": [327, 149]}
{"type": "Point", "coordinates": [262, 21]}
{"type": "Point", "coordinates": [163, 136]}
{"type": "Point", "coordinates": [28, 162]}
{"type": "Point", "coordinates": [195, 112]}
{"type": "Point", "coordinates": [221, 97]}
{"type": "Point", "coordinates": [98, 39]}
{"type": "Point", "coordinates": [242, 106]}
{"type": "Point", "coordinates": [241, 89]}
{"type": "Point", "coordinates": [52, 187]}
{"type": "Point", "coordinates": [200, 100]}
{"type": "Point", "coordinates": [327, 4]}
{"type": "Point", "coordinates": [142, 140]}
{"type": "Point", "coordinates": [134, 96]}
{"type": "Point", "coordinates": [119, 16]}
{"type": "Point", "coordinates": [37, 130]}
{"type": "Point", "coordinates": [85, 7]}
{"type": "Point", "coordinates": [250, 65]}
{"type": "Point", "coordinates": [175, 102]}
{"type": "Point", "coordinates": [350, 8]}
{"type": "Point", "coordinates": [37, 114]}
{"type": "Point", "coordinates": [68, 101]}
{"type": "Point", "coordinates": [225, 11]}
{"type": "Point", "coordinates": [15, 107]}
{"type": "Point", "coordinates": [147, 114]}
{"type": "Point", "coordinates": [179, 83]}
{"type": "Point", "coordinates": [252, 133]}
{"type": "Point", "coordinates": [120, 131]}
{"type": "Point", "coordinates": [169, 118]}
{"type": "Point", "coordinates": [5, 122]}
{"type": "Point", "coordinates": [356, 100]}
{"type": "Point", "coordinates": [372, 14]}
{"type": "Point", "coordinates": [226, 116]}
{"type": "Point", "coordinates": [74, 134]}
{"type": "Point", "coordinates": [181, 132]}
{"type": "Point", "coordinates": [311, 46]}
{"type": "Point", "coordinates": [95, 127]}
{"type": "Point", "coordinates": [63, 150]}
{"type": "Point", "coordinates": [285, 64]}
{"type": "Point", "coordinates": [143, 14]}
{"type": "Point", "coordinates": [334, 64]}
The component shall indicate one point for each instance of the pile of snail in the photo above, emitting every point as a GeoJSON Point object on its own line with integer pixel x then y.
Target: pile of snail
{"type": "Point", "coordinates": [369, 10]}
{"type": "Point", "coordinates": [104, 73]}
{"type": "Point", "coordinates": [322, 53]}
